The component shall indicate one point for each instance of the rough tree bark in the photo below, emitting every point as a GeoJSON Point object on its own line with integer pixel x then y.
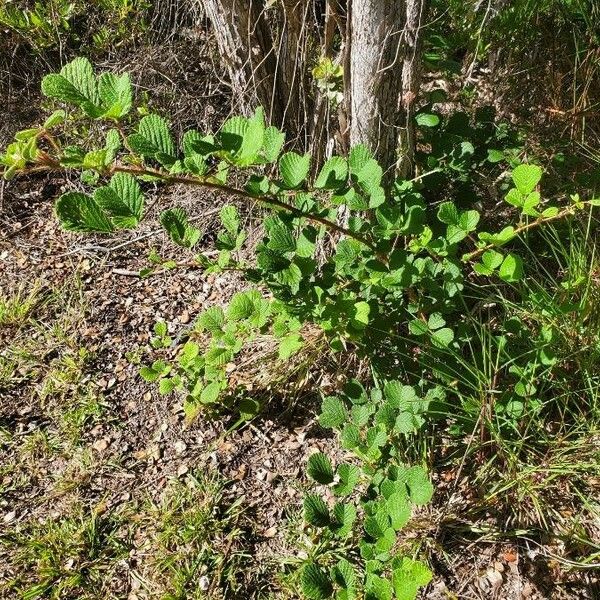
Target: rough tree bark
{"type": "Point", "coordinates": [270, 66]}
{"type": "Point", "coordinates": [411, 81]}
{"type": "Point", "coordinates": [383, 44]}
{"type": "Point", "coordinates": [292, 69]}
{"type": "Point", "coordinates": [246, 45]}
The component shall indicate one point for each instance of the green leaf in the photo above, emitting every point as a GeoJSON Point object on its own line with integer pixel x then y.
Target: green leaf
{"type": "Point", "coordinates": [494, 156]}
{"type": "Point", "coordinates": [315, 511]}
{"type": "Point", "coordinates": [435, 321]}
{"type": "Point", "coordinates": [122, 200]}
{"type": "Point", "coordinates": [350, 437]}
{"type": "Point", "coordinates": [160, 328]}
{"type": "Point", "coordinates": [455, 234]}
{"type": "Point", "coordinates": [530, 204]}
{"type": "Point", "coordinates": [359, 156]}
{"type": "Point", "coordinates": [448, 213]}
{"type": "Point", "coordinates": [272, 144]}
{"type": "Point", "coordinates": [230, 218]}
{"type": "Point", "coordinates": [76, 84]}
{"type": "Point", "coordinates": [346, 252]}
{"type": "Point", "coordinates": [344, 516]}
{"type": "Point", "coordinates": [377, 524]}
{"type": "Point", "coordinates": [80, 212]}
{"type": "Point", "coordinates": [360, 316]}
{"type": "Point", "coordinates": [400, 396]}
{"type": "Point", "coordinates": [289, 345]}
{"type": "Point", "coordinates": [175, 222]}
{"type": "Point", "coordinates": [491, 259]}
{"type": "Point", "coordinates": [369, 178]}
{"type": "Point", "coordinates": [315, 583]}
{"type": "Point", "coordinates": [349, 476]}
{"type": "Point", "coordinates": [115, 95]}
{"type": "Point", "coordinates": [511, 269]}
{"type": "Point", "coordinates": [399, 510]}
{"type": "Point", "coordinates": [258, 185]}
{"type": "Point", "coordinates": [361, 413]}
{"type": "Point", "coordinates": [280, 235]}
{"type": "Point", "coordinates": [112, 145]}
{"type": "Point", "coordinates": [418, 327]}
{"type": "Point", "coordinates": [194, 143]}
{"type": "Point", "coordinates": [345, 577]}
{"type": "Point", "coordinates": [188, 354]}
{"type": "Point", "coordinates": [240, 307]}
{"type": "Point", "coordinates": [515, 197]}
{"type": "Point", "coordinates": [420, 488]}
{"type": "Point", "coordinates": [333, 174]}
{"type": "Point", "coordinates": [242, 138]}
{"type": "Point", "coordinates": [427, 120]}
{"type": "Point", "coordinates": [320, 469]}
{"type": "Point", "coordinates": [468, 220]}
{"type": "Point", "coordinates": [442, 337]}
{"type": "Point", "coordinates": [376, 438]}
{"type": "Point", "coordinates": [231, 136]}
{"type": "Point", "coordinates": [153, 139]}
{"type": "Point", "coordinates": [56, 118]}
{"type": "Point", "coordinates": [526, 177]}
{"type": "Point", "coordinates": [498, 239]}
{"type": "Point", "coordinates": [248, 409]}
{"type": "Point", "coordinates": [406, 423]}
{"type": "Point", "coordinates": [253, 139]}
{"type": "Point", "coordinates": [294, 168]}
{"type": "Point", "coordinates": [378, 588]}
{"type": "Point", "coordinates": [333, 413]}
{"type": "Point", "coordinates": [210, 393]}
{"type": "Point", "coordinates": [212, 319]}
{"type": "Point", "coordinates": [218, 356]}
{"type": "Point", "coordinates": [408, 577]}
{"type": "Point", "coordinates": [166, 386]}
{"type": "Point", "coordinates": [149, 374]}
{"type": "Point", "coordinates": [94, 160]}
{"type": "Point", "coordinates": [552, 211]}
{"type": "Point", "coordinates": [196, 148]}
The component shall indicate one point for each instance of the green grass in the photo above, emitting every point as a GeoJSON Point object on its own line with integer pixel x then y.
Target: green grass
{"type": "Point", "coordinates": [16, 308]}
{"type": "Point", "coordinates": [71, 557]}
{"type": "Point", "coordinates": [192, 540]}
{"type": "Point", "coordinates": [42, 358]}
{"type": "Point", "coordinates": [195, 544]}
{"type": "Point", "coordinates": [523, 401]}
{"type": "Point", "coordinates": [188, 546]}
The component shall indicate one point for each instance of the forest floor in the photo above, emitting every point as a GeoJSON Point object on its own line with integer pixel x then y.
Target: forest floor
{"type": "Point", "coordinates": [106, 491]}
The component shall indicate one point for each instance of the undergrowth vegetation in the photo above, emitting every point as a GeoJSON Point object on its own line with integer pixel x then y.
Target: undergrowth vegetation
{"type": "Point", "coordinates": [97, 26]}
{"type": "Point", "coordinates": [480, 331]}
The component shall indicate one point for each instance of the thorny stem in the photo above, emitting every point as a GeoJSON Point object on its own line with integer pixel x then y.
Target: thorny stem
{"type": "Point", "coordinates": [522, 228]}
{"type": "Point", "coordinates": [49, 164]}
{"type": "Point", "coordinates": [233, 191]}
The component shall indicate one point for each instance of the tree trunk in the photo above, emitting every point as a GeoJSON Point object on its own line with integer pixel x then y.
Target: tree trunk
{"type": "Point", "coordinates": [245, 43]}
{"type": "Point", "coordinates": [293, 70]}
{"type": "Point", "coordinates": [411, 80]}
{"type": "Point", "coordinates": [384, 38]}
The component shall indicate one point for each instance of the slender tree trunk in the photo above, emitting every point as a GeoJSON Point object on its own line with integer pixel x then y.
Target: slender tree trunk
{"type": "Point", "coordinates": [246, 45]}
{"type": "Point", "coordinates": [293, 68]}
{"type": "Point", "coordinates": [383, 63]}
{"type": "Point", "coordinates": [375, 75]}
{"type": "Point", "coordinates": [411, 80]}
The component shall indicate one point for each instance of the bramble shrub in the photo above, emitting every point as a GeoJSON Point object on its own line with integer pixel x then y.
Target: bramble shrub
{"type": "Point", "coordinates": [387, 283]}
{"type": "Point", "coordinates": [356, 539]}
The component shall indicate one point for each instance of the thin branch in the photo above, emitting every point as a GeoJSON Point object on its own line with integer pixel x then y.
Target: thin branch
{"type": "Point", "coordinates": [522, 228]}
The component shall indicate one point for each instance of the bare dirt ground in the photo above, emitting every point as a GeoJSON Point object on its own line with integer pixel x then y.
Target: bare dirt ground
{"type": "Point", "coordinates": [121, 459]}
